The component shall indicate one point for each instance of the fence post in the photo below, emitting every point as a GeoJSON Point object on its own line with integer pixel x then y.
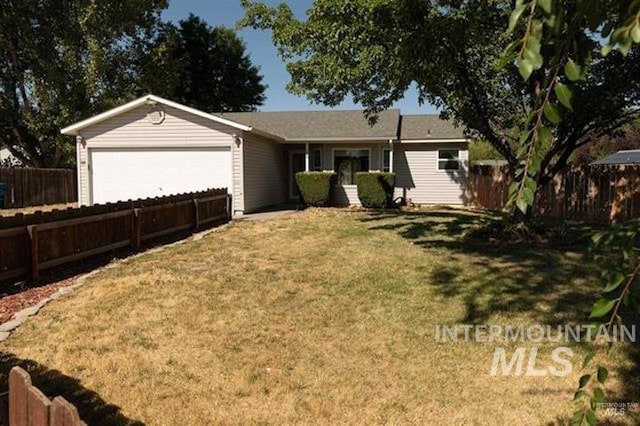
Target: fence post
{"type": "Point", "coordinates": [229, 207]}
{"type": "Point", "coordinates": [33, 250]}
{"type": "Point", "coordinates": [19, 382]}
{"type": "Point", "coordinates": [137, 229]}
{"type": "Point", "coordinates": [196, 214]}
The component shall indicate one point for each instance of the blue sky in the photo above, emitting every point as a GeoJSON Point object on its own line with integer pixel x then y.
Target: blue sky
{"type": "Point", "coordinates": [263, 53]}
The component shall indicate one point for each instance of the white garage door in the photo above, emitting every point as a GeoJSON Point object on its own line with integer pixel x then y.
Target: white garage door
{"type": "Point", "coordinates": [124, 174]}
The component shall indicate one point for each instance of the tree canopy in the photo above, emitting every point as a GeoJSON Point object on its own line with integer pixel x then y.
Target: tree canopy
{"type": "Point", "coordinates": [373, 50]}
{"type": "Point", "coordinates": [61, 62]}
{"type": "Point", "coordinates": [203, 67]}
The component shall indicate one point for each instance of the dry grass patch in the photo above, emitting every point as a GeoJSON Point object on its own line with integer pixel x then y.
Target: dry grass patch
{"type": "Point", "coordinates": [325, 316]}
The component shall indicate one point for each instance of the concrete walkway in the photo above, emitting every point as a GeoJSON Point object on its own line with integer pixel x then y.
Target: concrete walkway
{"type": "Point", "coordinates": [272, 213]}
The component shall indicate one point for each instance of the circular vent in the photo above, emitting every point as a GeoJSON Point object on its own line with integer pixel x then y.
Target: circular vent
{"type": "Point", "coordinates": [155, 114]}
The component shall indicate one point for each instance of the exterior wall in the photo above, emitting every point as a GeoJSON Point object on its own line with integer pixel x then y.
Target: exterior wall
{"type": "Point", "coordinates": [134, 129]}
{"type": "Point", "coordinates": [84, 194]}
{"type": "Point", "coordinates": [418, 177]}
{"type": "Point", "coordinates": [264, 170]}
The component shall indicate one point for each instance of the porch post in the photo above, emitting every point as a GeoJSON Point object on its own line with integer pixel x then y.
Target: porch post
{"type": "Point", "coordinates": [306, 157]}
{"type": "Point", "coordinates": [390, 155]}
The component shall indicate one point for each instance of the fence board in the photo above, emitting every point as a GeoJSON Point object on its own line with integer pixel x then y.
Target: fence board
{"type": "Point", "coordinates": [35, 187]}
{"type": "Point", "coordinates": [594, 194]}
{"type": "Point", "coordinates": [45, 240]}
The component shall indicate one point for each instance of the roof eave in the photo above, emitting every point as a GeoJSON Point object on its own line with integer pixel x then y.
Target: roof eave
{"type": "Point", "coordinates": [342, 139]}
{"type": "Point", "coordinates": [74, 129]}
{"type": "Point", "coordinates": [435, 140]}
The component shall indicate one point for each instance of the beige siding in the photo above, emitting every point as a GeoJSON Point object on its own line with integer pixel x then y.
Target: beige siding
{"type": "Point", "coordinates": [84, 198]}
{"type": "Point", "coordinates": [133, 129]}
{"type": "Point", "coordinates": [264, 172]}
{"type": "Point", "coordinates": [418, 177]}
{"type": "Point", "coordinates": [179, 128]}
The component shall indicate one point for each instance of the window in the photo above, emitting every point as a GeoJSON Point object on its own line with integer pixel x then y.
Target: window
{"type": "Point", "coordinates": [348, 162]}
{"type": "Point", "coordinates": [386, 160]}
{"type": "Point", "coordinates": [316, 164]}
{"type": "Point", "coordinates": [448, 159]}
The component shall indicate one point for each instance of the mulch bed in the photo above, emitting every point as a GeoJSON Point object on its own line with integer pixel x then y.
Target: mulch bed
{"type": "Point", "coordinates": [29, 296]}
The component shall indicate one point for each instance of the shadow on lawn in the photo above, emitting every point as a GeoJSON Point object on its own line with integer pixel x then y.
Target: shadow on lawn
{"type": "Point", "coordinates": [91, 407]}
{"type": "Point", "coordinates": [553, 283]}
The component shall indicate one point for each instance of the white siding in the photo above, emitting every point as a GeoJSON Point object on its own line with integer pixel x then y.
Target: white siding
{"type": "Point", "coordinates": [418, 177]}
{"type": "Point", "coordinates": [133, 129]}
{"type": "Point", "coordinates": [237, 178]}
{"type": "Point", "coordinates": [264, 172]}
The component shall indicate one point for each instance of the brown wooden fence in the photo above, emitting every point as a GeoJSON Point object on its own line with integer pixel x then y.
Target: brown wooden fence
{"type": "Point", "coordinates": [598, 194]}
{"type": "Point", "coordinates": [35, 242]}
{"type": "Point", "coordinates": [37, 187]}
{"type": "Point", "coordinates": [28, 406]}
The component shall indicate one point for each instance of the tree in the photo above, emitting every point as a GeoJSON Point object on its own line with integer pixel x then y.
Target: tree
{"type": "Point", "coordinates": [627, 138]}
{"type": "Point", "coordinates": [61, 62]}
{"type": "Point", "coordinates": [454, 51]}
{"type": "Point", "coordinates": [203, 67]}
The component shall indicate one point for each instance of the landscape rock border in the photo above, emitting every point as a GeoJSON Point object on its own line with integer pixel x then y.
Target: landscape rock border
{"type": "Point", "coordinates": [23, 315]}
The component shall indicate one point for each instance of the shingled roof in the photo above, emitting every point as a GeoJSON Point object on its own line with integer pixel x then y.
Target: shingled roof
{"type": "Point", "coordinates": [419, 127]}
{"type": "Point", "coordinates": [320, 125]}
{"type": "Point", "coordinates": [631, 156]}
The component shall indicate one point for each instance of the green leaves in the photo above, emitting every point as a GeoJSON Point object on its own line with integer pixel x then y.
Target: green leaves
{"type": "Point", "coordinates": [601, 308]}
{"type": "Point", "coordinates": [571, 70]}
{"type": "Point", "coordinates": [552, 113]}
{"type": "Point", "coordinates": [515, 15]}
{"type": "Point", "coordinates": [603, 374]}
{"type": "Point", "coordinates": [564, 95]}
{"type": "Point", "coordinates": [546, 5]}
{"type": "Point", "coordinates": [615, 282]}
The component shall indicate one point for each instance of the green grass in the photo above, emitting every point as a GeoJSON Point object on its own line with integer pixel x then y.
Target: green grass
{"type": "Point", "coordinates": [325, 316]}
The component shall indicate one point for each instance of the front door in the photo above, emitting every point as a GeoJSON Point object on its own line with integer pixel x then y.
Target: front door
{"type": "Point", "coordinates": [296, 164]}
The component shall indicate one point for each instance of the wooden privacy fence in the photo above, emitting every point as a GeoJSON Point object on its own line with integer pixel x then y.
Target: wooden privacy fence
{"type": "Point", "coordinates": [602, 194]}
{"type": "Point", "coordinates": [39, 241]}
{"type": "Point", "coordinates": [28, 406]}
{"type": "Point", "coordinates": [35, 187]}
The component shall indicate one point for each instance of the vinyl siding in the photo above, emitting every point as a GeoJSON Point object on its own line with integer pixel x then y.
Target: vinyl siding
{"type": "Point", "coordinates": [237, 179]}
{"type": "Point", "coordinates": [264, 172]}
{"type": "Point", "coordinates": [418, 177]}
{"type": "Point", "coordinates": [84, 197]}
{"type": "Point", "coordinates": [132, 129]}
{"type": "Point", "coordinates": [179, 128]}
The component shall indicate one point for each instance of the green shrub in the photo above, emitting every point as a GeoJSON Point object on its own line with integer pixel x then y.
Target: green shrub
{"type": "Point", "coordinates": [316, 187]}
{"type": "Point", "coordinates": [375, 189]}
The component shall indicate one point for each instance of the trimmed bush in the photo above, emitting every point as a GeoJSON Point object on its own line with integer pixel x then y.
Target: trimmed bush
{"type": "Point", "coordinates": [316, 187]}
{"type": "Point", "coordinates": [375, 189]}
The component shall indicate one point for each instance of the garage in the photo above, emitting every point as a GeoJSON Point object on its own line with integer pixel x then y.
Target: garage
{"type": "Point", "coordinates": [129, 174]}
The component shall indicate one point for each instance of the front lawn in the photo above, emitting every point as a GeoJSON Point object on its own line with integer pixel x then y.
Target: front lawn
{"type": "Point", "coordinates": [325, 316]}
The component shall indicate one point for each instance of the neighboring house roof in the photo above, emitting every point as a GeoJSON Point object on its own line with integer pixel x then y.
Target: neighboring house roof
{"type": "Point", "coordinates": [321, 125]}
{"type": "Point", "coordinates": [631, 156]}
{"type": "Point", "coordinates": [491, 163]}
{"type": "Point", "coordinates": [152, 100]}
{"type": "Point", "coordinates": [427, 127]}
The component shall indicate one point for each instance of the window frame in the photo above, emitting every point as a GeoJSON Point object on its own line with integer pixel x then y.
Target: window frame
{"type": "Point", "coordinates": [382, 167]}
{"type": "Point", "coordinates": [457, 160]}
{"type": "Point", "coordinates": [349, 148]}
{"type": "Point", "coordinates": [313, 167]}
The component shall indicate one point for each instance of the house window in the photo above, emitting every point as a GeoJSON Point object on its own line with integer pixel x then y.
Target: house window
{"type": "Point", "coordinates": [386, 160]}
{"type": "Point", "coordinates": [448, 159]}
{"type": "Point", "coordinates": [317, 160]}
{"type": "Point", "coordinates": [348, 162]}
